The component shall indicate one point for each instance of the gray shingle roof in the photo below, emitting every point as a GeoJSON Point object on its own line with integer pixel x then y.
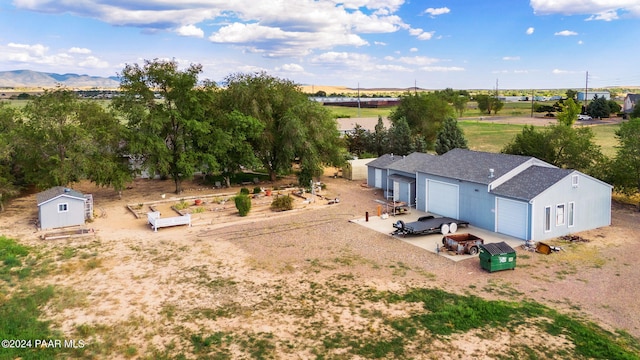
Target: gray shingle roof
{"type": "Point", "coordinates": [473, 166]}
{"type": "Point", "coordinates": [531, 182]}
{"type": "Point", "coordinates": [412, 162]}
{"type": "Point", "coordinates": [384, 161]}
{"type": "Point", "coordinates": [56, 191]}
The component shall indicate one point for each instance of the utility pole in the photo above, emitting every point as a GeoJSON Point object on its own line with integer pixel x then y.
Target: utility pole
{"type": "Point", "coordinates": [358, 99]}
{"type": "Point", "coordinates": [586, 90]}
{"type": "Point", "coordinates": [532, 97]}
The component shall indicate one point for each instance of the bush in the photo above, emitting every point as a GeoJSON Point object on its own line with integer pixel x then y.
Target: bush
{"type": "Point", "coordinates": [257, 190]}
{"type": "Point", "coordinates": [282, 203]}
{"type": "Point", "coordinates": [243, 204]}
{"type": "Point", "coordinates": [244, 191]}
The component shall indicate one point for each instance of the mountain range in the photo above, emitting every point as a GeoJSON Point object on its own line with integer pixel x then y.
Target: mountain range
{"type": "Point", "coordinates": [36, 79]}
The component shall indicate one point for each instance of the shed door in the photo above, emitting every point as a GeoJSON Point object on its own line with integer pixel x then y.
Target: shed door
{"type": "Point", "coordinates": [442, 198]}
{"type": "Point", "coordinates": [378, 178]}
{"type": "Point", "coordinates": [511, 218]}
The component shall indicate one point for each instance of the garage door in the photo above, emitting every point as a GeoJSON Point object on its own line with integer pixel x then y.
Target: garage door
{"type": "Point", "coordinates": [512, 218]}
{"type": "Point", "coordinates": [442, 198]}
{"type": "Point", "coordinates": [378, 178]}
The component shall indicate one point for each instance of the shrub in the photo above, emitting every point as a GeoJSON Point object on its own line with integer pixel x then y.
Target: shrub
{"type": "Point", "coordinates": [257, 190]}
{"type": "Point", "coordinates": [244, 191]}
{"type": "Point", "coordinates": [243, 204]}
{"type": "Point", "coordinates": [282, 203]}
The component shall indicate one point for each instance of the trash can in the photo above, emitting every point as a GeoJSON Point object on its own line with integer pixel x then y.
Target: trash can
{"type": "Point", "coordinates": [497, 256]}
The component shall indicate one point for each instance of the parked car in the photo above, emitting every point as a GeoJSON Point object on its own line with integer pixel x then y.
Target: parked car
{"type": "Point", "coordinates": [584, 117]}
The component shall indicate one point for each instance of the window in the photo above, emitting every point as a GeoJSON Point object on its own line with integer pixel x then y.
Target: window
{"type": "Point", "coordinates": [63, 207]}
{"type": "Point", "coordinates": [574, 181]}
{"type": "Point", "coordinates": [571, 216]}
{"type": "Point", "coordinates": [547, 218]}
{"type": "Point", "coordinates": [560, 215]}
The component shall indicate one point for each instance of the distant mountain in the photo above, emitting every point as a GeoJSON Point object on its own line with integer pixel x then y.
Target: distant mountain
{"type": "Point", "coordinates": [36, 79]}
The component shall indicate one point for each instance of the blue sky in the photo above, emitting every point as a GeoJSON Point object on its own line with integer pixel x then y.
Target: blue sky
{"type": "Point", "coordinates": [462, 44]}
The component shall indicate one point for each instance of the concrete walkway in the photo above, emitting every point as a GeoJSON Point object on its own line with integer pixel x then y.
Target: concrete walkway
{"type": "Point", "coordinates": [433, 242]}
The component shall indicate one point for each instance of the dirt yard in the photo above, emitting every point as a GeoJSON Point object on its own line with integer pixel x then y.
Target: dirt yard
{"type": "Point", "coordinates": [279, 282]}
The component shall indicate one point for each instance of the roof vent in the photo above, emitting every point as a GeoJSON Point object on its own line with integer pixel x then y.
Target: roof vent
{"type": "Point", "coordinates": [491, 173]}
{"type": "Point", "coordinates": [392, 155]}
{"type": "Point", "coordinates": [67, 190]}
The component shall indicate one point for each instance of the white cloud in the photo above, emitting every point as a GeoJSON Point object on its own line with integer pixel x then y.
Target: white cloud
{"type": "Point", "coordinates": [439, 11]}
{"type": "Point", "coordinates": [93, 63]}
{"type": "Point", "coordinates": [580, 42]}
{"type": "Point", "coordinates": [273, 28]}
{"type": "Point", "coordinates": [380, 43]}
{"type": "Point", "coordinates": [77, 50]}
{"type": "Point", "coordinates": [562, 72]}
{"type": "Point", "coordinates": [190, 30]}
{"type": "Point", "coordinates": [291, 68]}
{"type": "Point", "coordinates": [566, 33]}
{"type": "Point", "coordinates": [606, 10]}
{"type": "Point", "coordinates": [413, 49]}
{"type": "Point", "coordinates": [441, 68]}
{"type": "Point", "coordinates": [421, 34]}
{"type": "Point", "coordinates": [604, 16]}
{"type": "Point", "coordinates": [530, 30]}
{"type": "Point", "coordinates": [418, 60]}
{"type": "Point", "coordinates": [511, 58]}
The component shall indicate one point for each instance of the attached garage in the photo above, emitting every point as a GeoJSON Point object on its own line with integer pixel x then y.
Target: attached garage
{"type": "Point", "coordinates": [442, 198]}
{"type": "Point", "coordinates": [378, 178]}
{"type": "Point", "coordinates": [512, 217]}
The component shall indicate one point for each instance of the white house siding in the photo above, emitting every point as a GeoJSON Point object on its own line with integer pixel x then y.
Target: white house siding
{"type": "Point", "coordinates": [51, 218]}
{"type": "Point", "coordinates": [592, 207]}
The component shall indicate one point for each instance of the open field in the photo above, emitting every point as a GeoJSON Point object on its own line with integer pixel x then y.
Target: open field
{"type": "Point", "coordinates": [311, 285]}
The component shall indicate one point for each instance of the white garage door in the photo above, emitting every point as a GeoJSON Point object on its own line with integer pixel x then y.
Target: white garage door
{"type": "Point", "coordinates": [378, 178]}
{"type": "Point", "coordinates": [442, 198]}
{"type": "Point", "coordinates": [511, 218]}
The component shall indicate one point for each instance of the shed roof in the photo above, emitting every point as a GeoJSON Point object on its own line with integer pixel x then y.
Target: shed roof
{"type": "Point", "coordinates": [468, 165]}
{"type": "Point", "coordinates": [56, 191]}
{"type": "Point", "coordinates": [531, 182]}
{"type": "Point", "coordinates": [384, 161]}
{"type": "Point", "coordinates": [412, 162]}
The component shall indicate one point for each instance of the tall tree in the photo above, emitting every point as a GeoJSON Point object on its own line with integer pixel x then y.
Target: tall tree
{"type": "Point", "coordinates": [598, 108]}
{"type": "Point", "coordinates": [570, 111]}
{"type": "Point", "coordinates": [165, 117]}
{"type": "Point", "coordinates": [294, 127]}
{"type": "Point", "coordinates": [8, 122]}
{"type": "Point", "coordinates": [625, 172]}
{"type": "Point", "coordinates": [379, 139]}
{"type": "Point", "coordinates": [450, 137]}
{"type": "Point", "coordinates": [400, 138]}
{"type": "Point", "coordinates": [424, 113]}
{"type": "Point", "coordinates": [64, 139]}
{"type": "Point", "coordinates": [488, 103]}
{"type": "Point", "coordinates": [357, 141]}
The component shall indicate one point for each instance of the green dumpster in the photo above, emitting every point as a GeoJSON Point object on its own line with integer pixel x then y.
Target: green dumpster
{"type": "Point", "coordinates": [497, 256]}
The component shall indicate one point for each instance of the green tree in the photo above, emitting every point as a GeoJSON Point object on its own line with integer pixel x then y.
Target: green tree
{"type": "Point", "coordinates": [487, 103]}
{"type": "Point", "coordinates": [460, 103]}
{"type": "Point", "coordinates": [357, 141]}
{"type": "Point", "coordinates": [598, 108]}
{"type": "Point", "coordinates": [400, 138]}
{"type": "Point", "coordinates": [8, 122]}
{"type": "Point", "coordinates": [635, 113]}
{"type": "Point", "coordinates": [614, 107]}
{"type": "Point", "coordinates": [379, 141]}
{"type": "Point", "coordinates": [424, 113]}
{"type": "Point", "coordinates": [560, 145]}
{"type": "Point", "coordinates": [450, 137]}
{"type": "Point", "coordinates": [164, 113]}
{"type": "Point", "coordinates": [569, 114]}
{"type": "Point", "coordinates": [294, 126]}
{"type": "Point", "coordinates": [625, 172]}
{"type": "Point", "coordinates": [571, 94]}
{"type": "Point", "coordinates": [64, 140]}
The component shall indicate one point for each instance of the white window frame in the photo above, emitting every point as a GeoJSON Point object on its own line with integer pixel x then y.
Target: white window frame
{"type": "Point", "coordinates": [560, 220]}
{"type": "Point", "coordinates": [571, 214]}
{"type": "Point", "coordinates": [63, 207]}
{"type": "Point", "coordinates": [574, 181]}
{"type": "Point", "coordinates": [547, 218]}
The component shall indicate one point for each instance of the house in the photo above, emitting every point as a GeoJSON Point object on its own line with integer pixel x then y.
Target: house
{"type": "Point", "coordinates": [61, 207]}
{"type": "Point", "coordinates": [630, 102]}
{"type": "Point", "coordinates": [401, 177]}
{"type": "Point", "coordinates": [377, 171]}
{"type": "Point", "coordinates": [520, 196]}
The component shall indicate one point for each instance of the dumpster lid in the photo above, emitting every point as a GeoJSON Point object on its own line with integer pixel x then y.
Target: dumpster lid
{"type": "Point", "coordinates": [498, 248]}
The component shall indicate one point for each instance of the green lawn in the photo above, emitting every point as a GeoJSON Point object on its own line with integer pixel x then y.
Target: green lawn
{"type": "Point", "coordinates": [488, 137]}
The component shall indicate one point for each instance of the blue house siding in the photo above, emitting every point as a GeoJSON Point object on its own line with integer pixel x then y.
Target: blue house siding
{"type": "Point", "coordinates": [591, 201]}
{"type": "Point", "coordinates": [51, 217]}
{"type": "Point", "coordinates": [406, 186]}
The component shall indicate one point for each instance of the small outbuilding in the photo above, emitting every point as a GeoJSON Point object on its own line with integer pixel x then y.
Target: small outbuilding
{"type": "Point", "coordinates": [60, 207]}
{"type": "Point", "coordinates": [356, 169]}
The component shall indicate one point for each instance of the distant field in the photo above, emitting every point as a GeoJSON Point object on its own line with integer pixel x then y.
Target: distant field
{"type": "Point", "coordinates": [488, 137]}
